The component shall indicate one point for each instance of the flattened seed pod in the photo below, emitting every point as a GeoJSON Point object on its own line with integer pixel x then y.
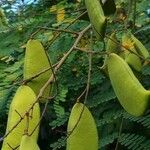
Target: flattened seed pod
{"type": "Point", "coordinates": [111, 47]}
{"type": "Point", "coordinates": [112, 44]}
{"type": "Point", "coordinates": [129, 91]}
{"type": "Point", "coordinates": [21, 102]}
{"type": "Point", "coordinates": [97, 17]}
{"type": "Point", "coordinates": [131, 58]}
{"type": "Point", "coordinates": [27, 143]}
{"type": "Point", "coordinates": [35, 61]}
{"type": "Point", "coordinates": [140, 47]}
{"type": "Point", "coordinates": [84, 135]}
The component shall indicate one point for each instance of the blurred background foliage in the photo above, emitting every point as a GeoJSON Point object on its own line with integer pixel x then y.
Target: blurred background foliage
{"type": "Point", "coordinates": [24, 17]}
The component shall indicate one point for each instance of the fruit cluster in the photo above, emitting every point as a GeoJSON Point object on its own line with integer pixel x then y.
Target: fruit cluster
{"type": "Point", "coordinates": [24, 113]}
{"type": "Point", "coordinates": [120, 57]}
{"type": "Point", "coordinates": [129, 91]}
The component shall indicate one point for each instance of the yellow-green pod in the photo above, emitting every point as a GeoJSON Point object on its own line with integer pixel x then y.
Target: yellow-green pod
{"type": "Point", "coordinates": [27, 143]}
{"type": "Point", "coordinates": [112, 44]}
{"type": "Point", "coordinates": [131, 58]}
{"type": "Point", "coordinates": [97, 17]}
{"type": "Point", "coordinates": [84, 135]}
{"type": "Point", "coordinates": [35, 61]}
{"type": "Point", "coordinates": [111, 47]}
{"type": "Point", "coordinates": [21, 102]}
{"type": "Point", "coordinates": [140, 47]}
{"type": "Point", "coordinates": [129, 91]}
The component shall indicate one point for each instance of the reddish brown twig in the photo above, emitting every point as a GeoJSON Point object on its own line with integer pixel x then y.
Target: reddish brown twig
{"type": "Point", "coordinates": [63, 59]}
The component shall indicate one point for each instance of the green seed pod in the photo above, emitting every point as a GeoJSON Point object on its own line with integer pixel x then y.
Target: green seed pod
{"type": "Point", "coordinates": [131, 58]}
{"type": "Point", "coordinates": [35, 61]}
{"type": "Point", "coordinates": [112, 44]}
{"type": "Point", "coordinates": [27, 143]}
{"type": "Point", "coordinates": [84, 135]}
{"type": "Point", "coordinates": [111, 47]}
{"type": "Point", "coordinates": [140, 47]}
{"type": "Point", "coordinates": [129, 91]}
{"type": "Point", "coordinates": [97, 17]}
{"type": "Point", "coordinates": [21, 102]}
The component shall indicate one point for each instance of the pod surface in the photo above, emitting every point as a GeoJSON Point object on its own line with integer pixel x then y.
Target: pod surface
{"type": "Point", "coordinates": [27, 143]}
{"type": "Point", "coordinates": [84, 135]}
{"type": "Point", "coordinates": [140, 47]}
{"type": "Point", "coordinates": [21, 102]}
{"type": "Point", "coordinates": [112, 44]}
{"type": "Point", "coordinates": [129, 91]}
{"type": "Point", "coordinates": [97, 17]}
{"type": "Point", "coordinates": [133, 60]}
{"type": "Point", "coordinates": [111, 47]}
{"type": "Point", "coordinates": [131, 57]}
{"type": "Point", "coordinates": [35, 61]}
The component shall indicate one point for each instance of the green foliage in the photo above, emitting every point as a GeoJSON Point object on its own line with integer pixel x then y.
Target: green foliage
{"type": "Point", "coordinates": [61, 142]}
{"type": "Point", "coordinates": [59, 121]}
{"type": "Point", "coordinates": [134, 141]}
{"type": "Point", "coordinates": [61, 97]}
{"type": "Point", "coordinates": [108, 139]}
{"type": "Point", "coordinates": [146, 70]}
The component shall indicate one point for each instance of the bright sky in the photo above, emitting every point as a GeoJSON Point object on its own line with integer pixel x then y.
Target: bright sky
{"type": "Point", "coordinates": [18, 2]}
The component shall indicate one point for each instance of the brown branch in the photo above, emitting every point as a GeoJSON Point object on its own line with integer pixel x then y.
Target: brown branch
{"type": "Point", "coordinates": [89, 70]}
{"type": "Point", "coordinates": [63, 59]}
{"type": "Point", "coordinates": [43, 112]}
{"type": "Point", "coordinates": [125, 47]}
{"type": "Point", "coordinates": [41, 117]}
{"type": "Point", "coordinates": [55, 37]}
{"type": "Point", "coordinates": [59, 30]}
{"type": "Point", "coordinates": [78, 99]}
{"type": "Point", "coordinates": [27, 123]}
{"type": "Point", "coordinates": [86, 91]}
{"type": "Point", "coordinates": [90, 51]}
{"type": "Point", "coordinates": [10, 146]}
{"type": "Point", "coordinates": [16, 147]}
{"type": "Point", "coordinates": [54, 80]}
{"type": "Point", "coordinates": [69, 133]}
{"type": "Point", "coordinates": [37, 75]}
{"type": "Point", "coordinates": [122, 45]}
{"type": "Point", "coordinates": [18, 113]}
{"type": "Point", "coordinates": [33, 34]}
